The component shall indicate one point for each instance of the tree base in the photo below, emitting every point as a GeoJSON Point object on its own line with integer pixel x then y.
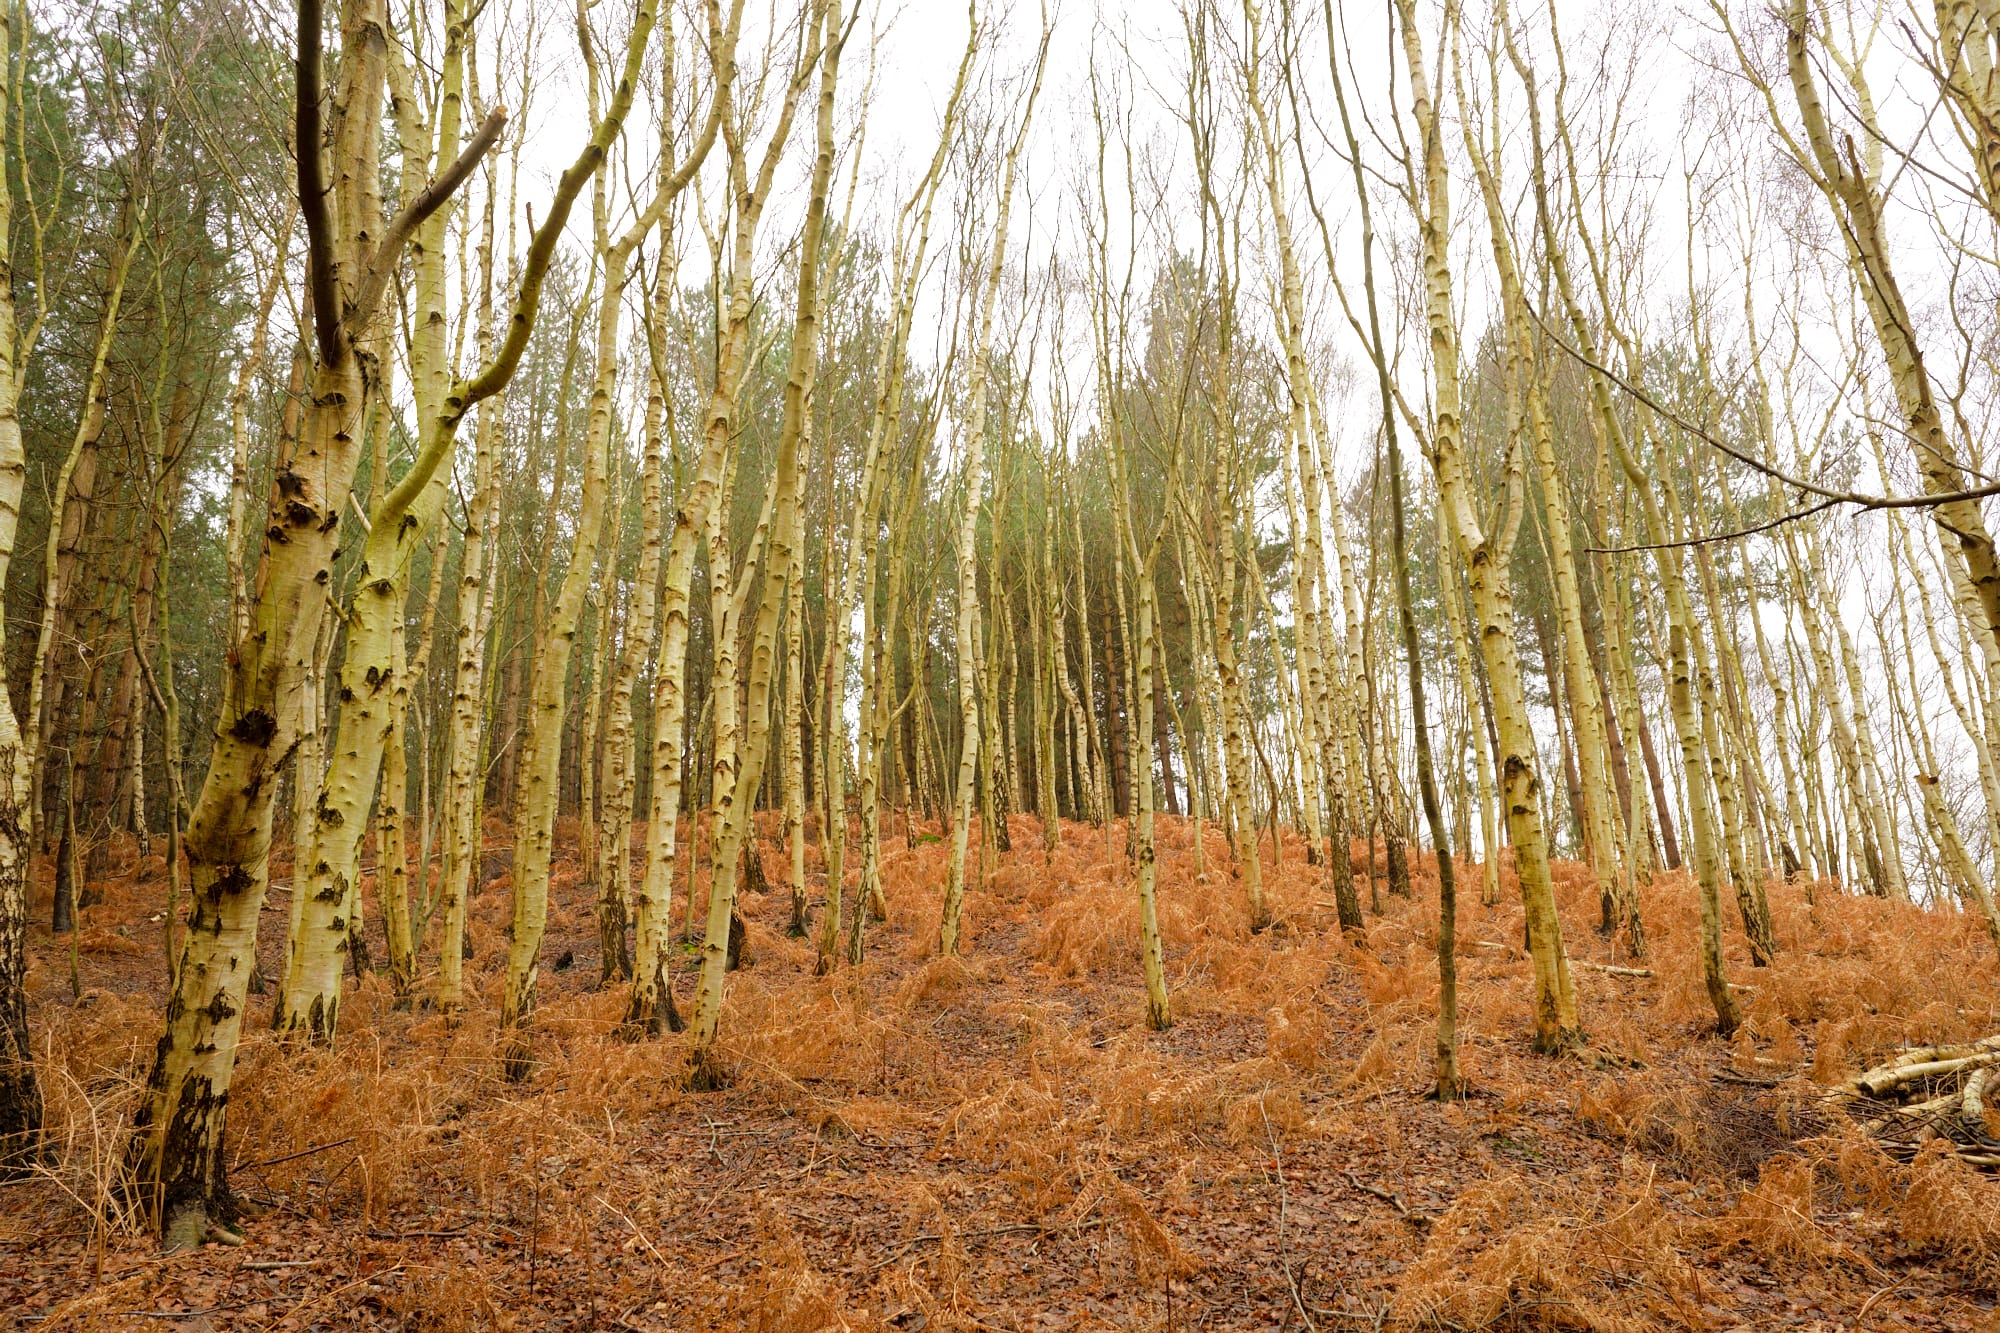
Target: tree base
{"type": "Point", "coordinates": [195, 1210]}
{"type": "Point", "coordinates": [20, 1121]}
{"type": "Point", "coordinates": [1564, 1041]}
{"type": "Point", "coordinates": [614, 946]}
{"type": "Point", "coordinates": [191, 1228]}
{"type": "Point", "coordinates": [517, 1062]}
{"type": "Point", "coordinates": [739, 953]}
{"type": "Point", "coordinates": [644, 1020]}
{"type": "Point", "coordinates": [706, 1073]}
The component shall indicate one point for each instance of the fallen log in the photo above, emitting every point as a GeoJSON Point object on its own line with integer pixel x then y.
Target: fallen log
{"type": "Point", "coordinates": [1882, 1081]}
{"type": "Point", "coordinates": [1926, 1093]}
{"type": "Point", "coordinates": [1613, 971]}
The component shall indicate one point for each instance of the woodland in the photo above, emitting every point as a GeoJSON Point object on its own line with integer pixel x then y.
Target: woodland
{"type": "Point", "coordinates": [1266, 664]}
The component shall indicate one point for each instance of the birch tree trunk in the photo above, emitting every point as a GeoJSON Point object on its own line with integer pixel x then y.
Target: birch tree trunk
{"type": "Point", "coordinates": [1557, 1026]}
{"type": "Point", "coordinates": [477, 593]}
{"type": "Point", "coordinates": [542, 749]}
{"type": "Point", "coordinates": [177, 1163]}
{"type": "Point", "coordinates": [1853, 191]}
{"type": "Point", "coordinates": [794, 742]}
{"type": "Point", "coordinates": [326, 879]}
{"type": "Point", "coordinates": [1684, 644]}
{"type": "Point", "coordinates": [972, 451]}
{"type": "Point", "coordinates": [239, 432]}
{"type": "Point", "coordinates": [735, 804]}
{"type": "Point", "coordinates": [1159, 1016]}
{"type": "Point", "coordinates": [1586, 711]}
{"type": "Point", "coordinates": [20, 1094]}
{"type": "Point", "coordinates": [1482, 755]}
{"type": "Point", "coordinates": [651, 1009]}
{"type": "Point", "coordinates": [70, 499]}
{"type": "Point", "coordinates": [392, 866]}
{"type": "Point", "coordinates": [859, 568]}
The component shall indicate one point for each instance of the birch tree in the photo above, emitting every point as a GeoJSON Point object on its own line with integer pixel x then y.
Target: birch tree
{"type": "Point", "coordinates": [985, 296]}
{"type": "Point", "coordinates": [1487, 553]}
{"type": "Point", "coordinates": [735, 802]}
{"type": "Point", "coordinates": [542, 749]}
{"type": "Point", "coordinates": [177, 1160]}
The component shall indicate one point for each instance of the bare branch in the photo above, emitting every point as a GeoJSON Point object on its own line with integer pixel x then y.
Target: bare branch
{"type": "Point", "coordinates": [313, 188]}
{"type": "Point", "coordinates": [1751, 531]}
{"type": "Point", "coordinates": [1859, 499]}
{"type": "Point", "coordinates": [431, 198]}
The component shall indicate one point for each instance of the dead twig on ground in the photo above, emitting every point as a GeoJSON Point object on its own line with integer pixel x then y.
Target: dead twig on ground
{"type": "Point", "coordinates": [1611, 970]}
{"type": "Point", "coordinates": [929, 1236]}
{"type": "Point", "coordinates": [1403, 1210]}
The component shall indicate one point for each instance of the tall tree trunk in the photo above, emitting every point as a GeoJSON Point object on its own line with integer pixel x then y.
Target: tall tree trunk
{"type": "Point", "coordinates": [650, 1009]}
{"type": "Point", "coordinates": [177, 1164]}
{"type": "Point", "coordinates": [972, 451]}
{"type": "Point", "coordinates": [1556, 1022]}
{"type": "Point", "coordinates": [534, 835]}
{"type": "Point", "coordinates": [782, 529]}
{"type": "Point", "coordinates": [326, 880]}
{"type": "Point", "coordinates": [1684, 645]}
{"type": "Point", "coordinates": [70, 502]}
{"type": "Point", "coordinates": [1853, 191]}
{"type": "Point", "coordinates": [478, 591]}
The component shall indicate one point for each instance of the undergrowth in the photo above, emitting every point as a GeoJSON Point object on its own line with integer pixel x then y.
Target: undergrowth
{"type": "Point", "coordinates": [1008, 1101]}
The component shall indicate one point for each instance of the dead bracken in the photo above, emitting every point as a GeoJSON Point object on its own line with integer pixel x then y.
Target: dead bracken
{"type": "Point", "coordinates": [984, 1140]}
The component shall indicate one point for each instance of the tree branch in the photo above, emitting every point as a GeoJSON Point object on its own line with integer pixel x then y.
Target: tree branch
{"type": "Point", "coordinates": [431, 198]}
{"type": "Point", "coordinates": [541, 247]}
{"type": "Point", "coordinates": [1751, 531]}
{"type": "Point", "coordinates": [312, 186]}
{"type": "Point", "coordinates": [1859, 499]}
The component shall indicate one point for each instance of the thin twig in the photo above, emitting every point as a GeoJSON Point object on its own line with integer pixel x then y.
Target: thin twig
{"type": "Point", "coordinates": [293, 1157]}
{"type": "Point", "coordinates": [171, 1314]}
{"type": "Point", "coordinates": [915, 1241]}
{"type": "Point", "coordinates": [1609, 969]}
{"type": "Point", "coordinates": [1868, 1304]}
{"type": "Point", "coordinates": [1791, 516]}
{"type": "Point", "coordinates": [328, 1295]}
{"type": "Point", "coordinates": [1395, 1201]}
{"type": "Point", "coordinates": [637, 1234]}
{"type": "Point", "coordinates": [1860, 499]}
{"type": "Point", "coordinates": [1725, 1076]}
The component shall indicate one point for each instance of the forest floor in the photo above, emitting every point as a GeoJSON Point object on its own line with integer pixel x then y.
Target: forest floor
{"type": "Point", "coordinates": [998, 1143]}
